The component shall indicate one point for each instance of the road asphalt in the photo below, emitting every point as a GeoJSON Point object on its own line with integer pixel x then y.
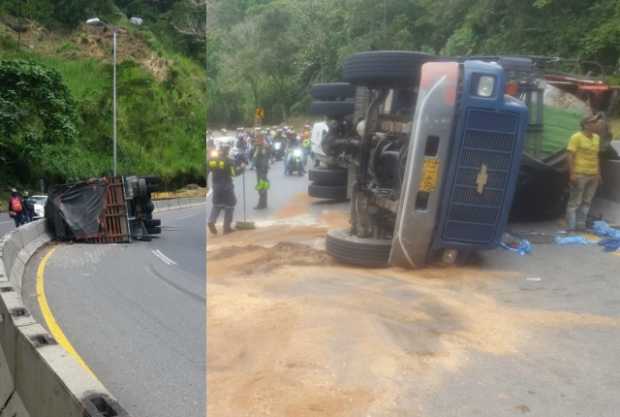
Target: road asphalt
{"type": "Point", "coordinates": [6, 223]}
{"type": "Point", "coordinates": [136, 313]}
{"type": "Point", "coordinates": [283, 190]}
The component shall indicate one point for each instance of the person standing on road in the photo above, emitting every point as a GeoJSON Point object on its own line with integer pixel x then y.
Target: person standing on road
{"type": "Point", "coordinates": [223, 170]}
{"type": "Point", "coordinates": [16, 208]}
{"type": "Point", "coordinates": [28, 208]}
{"type": "Point", "coordinates": [261, 160]}
{"type": "Point", "coordinates": [585, 175]}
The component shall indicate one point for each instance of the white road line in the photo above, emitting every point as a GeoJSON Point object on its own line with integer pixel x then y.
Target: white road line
{"type": "Point", "coordinates": [209, 194]}
{"type": "Point", "coordinates": [163, 257]}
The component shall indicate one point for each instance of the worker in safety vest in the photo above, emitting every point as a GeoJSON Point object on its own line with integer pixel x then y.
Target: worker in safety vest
{"type": "Point", "coordinates": [223, 170]}
{"type": "Point", "coordinates": [261, 157]}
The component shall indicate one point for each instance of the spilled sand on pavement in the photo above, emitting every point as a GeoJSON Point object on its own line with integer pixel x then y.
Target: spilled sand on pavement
{"type": "Point", "coordinates": [292, 333]}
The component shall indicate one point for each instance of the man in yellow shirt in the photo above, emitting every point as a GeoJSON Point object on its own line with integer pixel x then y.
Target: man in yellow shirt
{"type": "Point", "coordinates": [585, 175]}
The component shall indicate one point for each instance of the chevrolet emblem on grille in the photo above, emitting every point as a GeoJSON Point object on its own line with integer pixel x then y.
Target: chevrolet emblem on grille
{"type": "Point", "coordinates": [482, 178]}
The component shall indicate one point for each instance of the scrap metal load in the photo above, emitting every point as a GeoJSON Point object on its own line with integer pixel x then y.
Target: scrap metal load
{"type": "Point", "coordinates": [103, 210]}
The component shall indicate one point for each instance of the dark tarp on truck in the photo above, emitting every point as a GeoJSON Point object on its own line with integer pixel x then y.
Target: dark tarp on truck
{"type": "Point", "coordinates": [91, 211]}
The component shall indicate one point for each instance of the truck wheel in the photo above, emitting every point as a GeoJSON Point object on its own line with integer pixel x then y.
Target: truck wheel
{"type": "Point", "coordinates": [152, 222]}
{"type": "Point", "coordinates": [358, 251]}
{"type": "Point", "coordinates": [328, 176]}
{"type": "Point", "coordinates": [153, 230]}
{"type": "Point", "coordinates": [328, 192]}
{"type": "Point", "coordinates": [332, 91]}
{"type": "Point", "coordinates": [384, 68]}
{"type": "Point", "coordinates": [332, 108]}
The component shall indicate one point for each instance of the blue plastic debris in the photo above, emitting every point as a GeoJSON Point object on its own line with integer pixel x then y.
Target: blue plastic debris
{"type": "Point", "coordinates": [571, 240]}
{"type": "Point", "coordinates": [602, 229]}
{"type": "Point", "coordinates": [514, 244]}
{"type": "Point", "coordinates": [610, 245]}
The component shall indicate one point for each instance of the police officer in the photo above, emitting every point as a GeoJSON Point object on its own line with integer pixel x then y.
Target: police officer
{"type": "Point", "coordinates": [223, 170]}
{"type": "Point", "coordinates": [261, 159]}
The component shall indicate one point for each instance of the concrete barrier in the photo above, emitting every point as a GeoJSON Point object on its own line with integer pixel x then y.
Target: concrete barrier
{"type": "Point", "coordinates": [607, 201]}
{"type": "Point", "coordinates": [38, 378]}
{"type": "Point", "coordinates": [176, 203]}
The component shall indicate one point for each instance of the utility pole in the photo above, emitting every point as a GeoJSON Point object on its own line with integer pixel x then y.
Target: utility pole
{"type": "Point", "coordinates": [95, 21]}
{"type": "Point", "coordinates": [114, 104]}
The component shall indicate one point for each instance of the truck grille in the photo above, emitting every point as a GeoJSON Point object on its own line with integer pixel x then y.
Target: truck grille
{"type": "Point", "coordinates": [488, 141]}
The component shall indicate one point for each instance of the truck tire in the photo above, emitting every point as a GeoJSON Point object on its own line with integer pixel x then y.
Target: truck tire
{"type": "Point", "coordinates": [152, 222]}
{"type": "Point", "coordinates": [384, 68]}
{"type": "Point", "coordinates": [328, 176]}
{"type": "Point", "coordinates": [328, 192]}
{"type": "Point", "coordinates": [332, 91]}
{"type": "Point", "coordinates": [353, 250]}
{"type": "Point", "coordinates": [153, 230]}
{"type": "Point", "coordinates": [335, 109]}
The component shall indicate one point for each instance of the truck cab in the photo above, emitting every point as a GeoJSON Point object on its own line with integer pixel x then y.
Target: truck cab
{"type": "Point", "coordinates": [435, 159]}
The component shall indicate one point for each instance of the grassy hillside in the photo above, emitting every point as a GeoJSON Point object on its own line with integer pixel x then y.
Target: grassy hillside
{"type": "Point", "coordinates": [161, 100]}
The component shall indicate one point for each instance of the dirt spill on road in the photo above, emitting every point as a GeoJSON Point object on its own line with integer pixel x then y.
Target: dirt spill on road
{"type": "Point", "coordinates": [334, 219]}
{"type": "Point", "coordinates": [266, 236]}
{"type": "Point", "coordinates": [291, 333]}
{"type": "Point", "coordinates": [254, 259]}
{"type": "Point", "coordinates": [298, 205]}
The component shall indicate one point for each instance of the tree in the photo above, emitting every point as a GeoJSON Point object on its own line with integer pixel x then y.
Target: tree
{"type": "Point", "coordinates": [37, 115]}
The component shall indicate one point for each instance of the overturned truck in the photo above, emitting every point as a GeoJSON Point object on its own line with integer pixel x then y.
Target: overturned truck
{"type": "Point", "coordinates": [103, 210]}
{"type": "Point", "coordinates": [432, 153]}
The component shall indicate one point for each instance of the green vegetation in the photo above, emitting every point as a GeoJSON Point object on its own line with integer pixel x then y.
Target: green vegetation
{"type": "Point", "coordinates": [268, 52]}
{"type": "Point", "coordinates": [161, 91]}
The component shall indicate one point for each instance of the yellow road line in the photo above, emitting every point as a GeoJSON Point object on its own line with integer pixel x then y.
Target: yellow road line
{"type": "Point", "coordinates": [48, 316]}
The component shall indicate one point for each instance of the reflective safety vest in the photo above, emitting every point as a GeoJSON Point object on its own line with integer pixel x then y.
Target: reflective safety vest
{"type": "Point", "coordinates": [262, 185]}
{"type": "Point", "coordinates": [223, 170]}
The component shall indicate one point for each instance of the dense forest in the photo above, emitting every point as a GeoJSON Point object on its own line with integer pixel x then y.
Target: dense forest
{"type": "Point", "coordinates": [268, 52]}
{"type": "Point", "coordinates": [56, 90]}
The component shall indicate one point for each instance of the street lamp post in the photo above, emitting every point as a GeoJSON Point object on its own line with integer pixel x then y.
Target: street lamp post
{"type": "Point", "coordinates": [114, 103]}
{"type": "Point", "coordinates": [95, 21]}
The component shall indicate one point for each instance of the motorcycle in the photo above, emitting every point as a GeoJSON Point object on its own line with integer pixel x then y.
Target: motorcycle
{"type": "Point", "coordinates": [295, 162]}
{"type": "Point", "coordinates": [279, 150]}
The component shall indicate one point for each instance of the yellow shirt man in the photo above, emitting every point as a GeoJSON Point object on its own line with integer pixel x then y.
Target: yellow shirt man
{"type": "Point", "coordinates": [584, 173]}
{"type": "Point", "coordinates": [585, 151]}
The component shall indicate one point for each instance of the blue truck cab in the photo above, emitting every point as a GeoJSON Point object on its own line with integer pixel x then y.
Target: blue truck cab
{"type": "Point", "coordinates": [434, 159]}
{"type": "Point", "coordinates": [464, 154]}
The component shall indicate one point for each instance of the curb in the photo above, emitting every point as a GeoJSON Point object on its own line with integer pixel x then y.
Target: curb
{"type": "Point", "coordinates": [38, 378]}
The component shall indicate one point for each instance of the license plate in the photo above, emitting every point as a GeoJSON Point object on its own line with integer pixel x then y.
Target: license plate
{"type": "Point", "coordinates": [430, 174]}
